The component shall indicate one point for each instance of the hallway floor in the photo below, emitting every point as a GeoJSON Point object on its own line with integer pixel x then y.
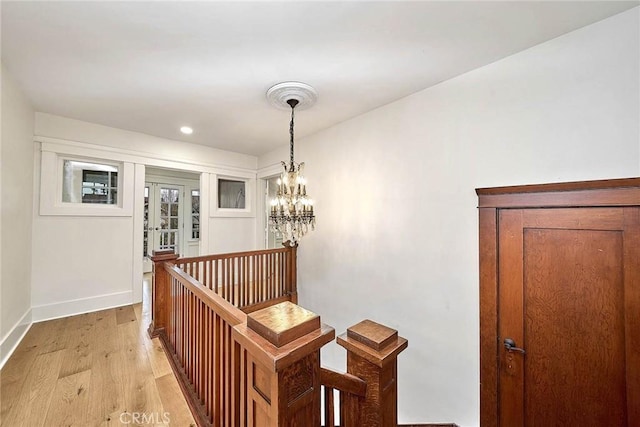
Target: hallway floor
{"type": "Point", "coordinates": [93, 369]}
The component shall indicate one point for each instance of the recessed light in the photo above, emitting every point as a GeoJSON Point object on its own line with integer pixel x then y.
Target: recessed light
{"type": "Point", "coordinates": [186, 130]}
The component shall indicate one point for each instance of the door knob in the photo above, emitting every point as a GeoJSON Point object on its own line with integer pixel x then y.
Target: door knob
{"type": "Point", "coordinates": [510, 345]}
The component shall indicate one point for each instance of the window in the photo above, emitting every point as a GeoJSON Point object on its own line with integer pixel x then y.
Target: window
{"type": "Point", "coordinates": [75, 181]}
{"type": "Point", "coordinates": [195, 214]}
{"type": "Point", "coordinates": [85, 182]}
{"type": "Point", "coordinates": [231, 194]}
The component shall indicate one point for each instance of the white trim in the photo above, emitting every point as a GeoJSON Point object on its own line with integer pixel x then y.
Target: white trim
{"type": "Point", "coordinates": [81, 306]}
{"type": "Point", "coordinates": [51, 187]}
{"type": "Point", "coordinates": [263, 175]}
{"type": "Point", "coordinates": [13, 338]}
{"type": "Point", "coordinates": [58, 145]}
{"type": "Point", "coordinates": [138, 228]}
{"type": "Point", "coordinates": [205, 180]}
{"type": "Point", "coordinates": [249, 193]}
{"type": "Point", "coordinates": [269, 171]}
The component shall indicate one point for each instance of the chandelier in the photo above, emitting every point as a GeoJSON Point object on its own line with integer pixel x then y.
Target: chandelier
{"type": "Point", "coordinates": [291, 213]}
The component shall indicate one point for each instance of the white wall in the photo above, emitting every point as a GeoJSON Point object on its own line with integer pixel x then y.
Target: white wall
{"type": "Point", "coordinates": [396, 239]}
{"type": "Point", "coordinates": [83, 263]}
{"type": "Point", "coordinates": [16, 195]}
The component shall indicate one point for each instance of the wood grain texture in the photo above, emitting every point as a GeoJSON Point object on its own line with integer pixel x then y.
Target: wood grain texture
{"type": "Point", "coordinates": [576, 262]}
{"type": "Point", "coordinates": [373, 334]}
{"type": "Point", "coordinates": [88, 370]}
{"type": "Point", "coordinates": [378, 369]}
{"type": "Point", "coordinates": [488, 317]}
{"type": "Point", "coordinates": [574, 328]}
{"type": "Point", "coordinates": [632, 310]}
{"type": "Point", "coordinates": [510, 268]}
{"type": "Point", "coordinates": [247, 279]}
{"type": "Point", "coordinates": [606, 184]}
{"type": "Point", "coordinates": [283, 322]}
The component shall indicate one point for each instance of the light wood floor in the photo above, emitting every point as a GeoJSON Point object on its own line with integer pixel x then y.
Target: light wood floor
{"type": "Point", "coordinates": [94, 369]}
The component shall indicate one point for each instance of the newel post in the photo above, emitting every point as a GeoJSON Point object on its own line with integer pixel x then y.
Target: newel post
{"type": "Point", "coordinates": [372, 353]}
{"type": "Point", "coordinates": [160, 293]}
{"type": "Point", "coordinates": [282, 366]}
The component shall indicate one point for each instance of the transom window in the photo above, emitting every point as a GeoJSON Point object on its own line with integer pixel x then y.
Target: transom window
{"type": "Point", "coordinates": [85, 182]}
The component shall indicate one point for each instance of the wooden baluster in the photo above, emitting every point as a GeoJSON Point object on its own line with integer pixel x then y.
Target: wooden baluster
{"type": "Point", "coordinates": [234, 281]}
{"type": "Point", "coordinates": [372, 352]}
{"type": "Point", "coordinates": [230, 287]}
{"type": "Point", "coordinates": [329, 409]}
{"type": "Point", "coordinates": [207, 273]}
{"type": "Point", "coordinates": [272, 275]}
{"type": "Point", "coordinates": [223, 283]}
{"type": "Point", "coordinates": [192, 337]}
{"type": "Point", "coordinates": [217, 397]}
{"type": "Point", "coordinates": [267, 263]}
{"type": "Point", "coordinates": [240, 282]}
{"type": "Point", "coordinates": [231, 281]}
{"type": "Point", "coordinates": [210, 361]}
{"type": "Point", "coordinates": [255, 279]}
{"type": "Point", "coordinates": [245, 302]}
{"type": "Point", "coordinates": [280, 278]}
{"type": "Point", "coordinates": [223, 375]}
{"type": "Point", "coordinates": [276, 276]}
{"type": "Point", "coordinates": [293, 274]}
{"type": "Point", "coordinates": [215, 275]}
{"type": "Point", "coordinates": [259, 281]}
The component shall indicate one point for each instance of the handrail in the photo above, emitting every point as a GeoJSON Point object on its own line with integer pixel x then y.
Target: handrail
{"type": "Point", "coordinates": [344, 382]}
{"type": "Point", "coordinates": [230, 255]}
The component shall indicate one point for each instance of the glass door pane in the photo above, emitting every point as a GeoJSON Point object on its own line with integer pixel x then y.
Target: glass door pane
{"type": "Point", "coordinates": [169, 217]}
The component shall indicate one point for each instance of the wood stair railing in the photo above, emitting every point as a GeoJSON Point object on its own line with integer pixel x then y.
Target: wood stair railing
{"type": "Point", "coordinates": [262, 368]}
{"type": "Point", "coordinates": [351, 391]}
{"type": "Point", "coordinates": [247, 280]}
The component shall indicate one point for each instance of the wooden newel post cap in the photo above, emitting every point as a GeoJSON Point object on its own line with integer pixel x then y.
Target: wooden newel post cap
{"type": "Point", "coordinates": [283, 323]}
{"type": "Point", "coordinates": [282, 334]}
{"type": "Point", "coordinates": [374, 342]}
{"type": "Point", "coordinates": [163, 255]}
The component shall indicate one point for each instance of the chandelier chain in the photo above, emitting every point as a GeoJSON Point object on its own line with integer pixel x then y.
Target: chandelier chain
{"type": "Point", "coordinates": [291, 135]}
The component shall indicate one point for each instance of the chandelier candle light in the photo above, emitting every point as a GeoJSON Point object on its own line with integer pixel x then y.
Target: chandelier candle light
{"type": "Point", "coordinates": [291, 210]}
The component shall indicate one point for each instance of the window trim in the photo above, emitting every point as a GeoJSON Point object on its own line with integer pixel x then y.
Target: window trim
{"type": "Point", "coordinates": [247, 212]}
{"type": "Point", "coordinates": [51, 188]}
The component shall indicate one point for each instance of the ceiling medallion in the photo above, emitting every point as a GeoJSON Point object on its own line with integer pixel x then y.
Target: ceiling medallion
{"type": "Point", "coordinates": [291, 212]}
{"type": "Point", "coordinates": [279, 95]}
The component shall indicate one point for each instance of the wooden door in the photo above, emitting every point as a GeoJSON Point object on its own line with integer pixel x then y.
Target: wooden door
{"type": "Point", "coordinates": [569, 296]}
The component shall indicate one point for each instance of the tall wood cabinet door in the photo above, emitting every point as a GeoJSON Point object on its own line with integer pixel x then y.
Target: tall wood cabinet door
{"type": "Point", "coordinates": [569, 317]}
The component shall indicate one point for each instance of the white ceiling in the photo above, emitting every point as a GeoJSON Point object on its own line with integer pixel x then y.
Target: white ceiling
{"type": "Point", "coordinates": [154, 66]}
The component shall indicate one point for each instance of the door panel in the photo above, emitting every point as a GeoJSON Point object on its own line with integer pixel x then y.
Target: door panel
{"type": "Point", "coordinates": [565, 299]}
{"type": "Point", "coordinates": [574, 328]}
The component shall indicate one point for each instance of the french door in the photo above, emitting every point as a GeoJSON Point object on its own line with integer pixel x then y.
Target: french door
{"type": "Point", "coordinates": [163, 217]}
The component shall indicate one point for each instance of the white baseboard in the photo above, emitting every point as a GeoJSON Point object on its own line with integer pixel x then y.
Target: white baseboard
{"type": "Point", "coordinates": [82, 305]}
{"type": "Point", "coordinates": [11, 340]}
